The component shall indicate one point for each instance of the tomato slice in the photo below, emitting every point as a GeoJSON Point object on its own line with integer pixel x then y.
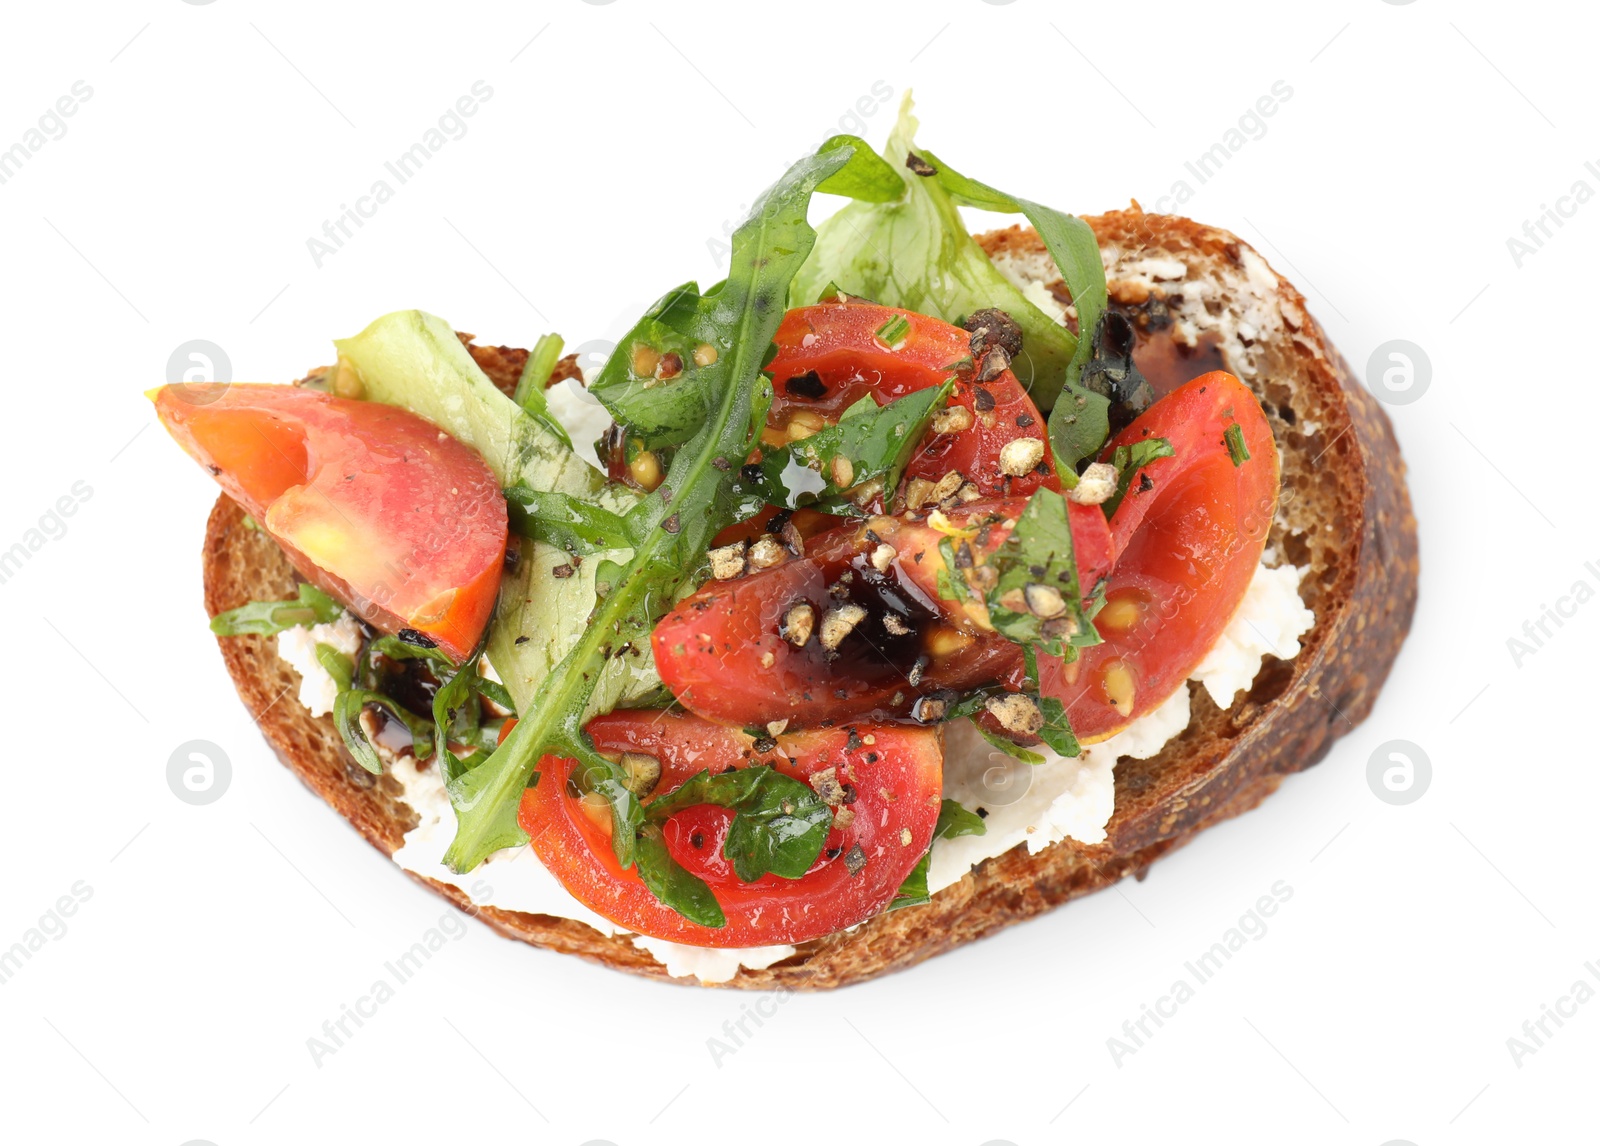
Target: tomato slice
{"type": "Point", "coordinates": [831, 354]}
{"type": "Point", "coordinates": [895, 778]}
{"type": "Point", "coordinates": [1187, 546]}
{"type": "Point", "coordinates": [732, 651]}
{"type": "Point", "coordinates": [400, 521]}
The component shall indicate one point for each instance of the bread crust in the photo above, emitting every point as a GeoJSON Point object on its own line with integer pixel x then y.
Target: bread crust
{"type": "Point", "coordinates": [1225, 763]}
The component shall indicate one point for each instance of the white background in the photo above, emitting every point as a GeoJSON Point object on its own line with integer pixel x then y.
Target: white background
{"type": "Point", "coordinates": [618, 141]}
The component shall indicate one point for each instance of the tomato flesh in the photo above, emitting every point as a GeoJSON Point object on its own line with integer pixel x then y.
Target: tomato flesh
{"type": "Point", "coordinates": [808, 523]}
{"type": "Point", "coordinates": [895, 777]}
{"type": "Point", "coordinates": [401, 522]}
{"type": "Point", "coordinates": [1186, 547]}
{"type": "Point", "coordinates": [724, 652]}
{"type": "Point", "coordinates": [839, 344]}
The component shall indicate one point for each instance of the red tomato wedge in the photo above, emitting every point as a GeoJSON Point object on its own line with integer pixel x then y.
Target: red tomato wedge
{"type": "Point", "coordinates": [1187, 546]}
{"type": "Point", "coordinates": [733, 652]}
{"type": "Point", "coordinates": [889, 812]}
{"type": "Point", "coordinates": [398, 520]}
{"type": "Point", "coordinates": [831, 354]}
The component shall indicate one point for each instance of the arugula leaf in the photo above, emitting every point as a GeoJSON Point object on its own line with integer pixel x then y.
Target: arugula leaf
{"type": "Point", "coordinates": [608, 780]}
{"type": "Point", "coordinates": [1079, 425]}
{"type": "Point", "coordinates": [455, 708]}
{"type": "Point", "coordinates": [868, 444]}
{"type": "Point", "coordinates": [914, 891]}
{"type": "Point", "coordinates": [340, 667]}
{"type": "Point", "coordinates": [653, 383]}
{"type": "Point", "coordinates": [536, 372]}
{"type": "Point", "coordinates": [673, 526]}
{"type": "Point", "coordinates": [865, 176]}
{"type": "Point", "coordinates": [954, 820]}
{"type": "Point", "coordinates": [1011, 749]}
{"type": "Point", "coordinates": [496, 692]}
{"type": "Point", "coordinates": [915, 252]}
{"type": "Point", "coordinates": [347, 719]}
{"type": "Point", "coordinates": [672, 884]}
{"type": "Point", "coordinates": [561, 520]}
{"type": "Point", "coordinates": [1035, 599]}
{"type": "Point", "coordinates": [1057, 732]}
{"type": "Point", "coordinates": [1129, 460]}
{"type": "Point", "coordinates": [396, 649]}
{"type": "Point", "coordinates": [311, 607]}
{"type": "Point", "coordinates": [779, 824]}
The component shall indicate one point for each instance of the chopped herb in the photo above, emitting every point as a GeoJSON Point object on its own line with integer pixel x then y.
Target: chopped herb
{"type": "Point", "coordinates": [950, 586]}
{"type": "Point", "coordinates": [1057, 732]}
{"type": "Point", "coordinates": [893, 332]}
{"type": "Point", "coordinates": [1237, 450]}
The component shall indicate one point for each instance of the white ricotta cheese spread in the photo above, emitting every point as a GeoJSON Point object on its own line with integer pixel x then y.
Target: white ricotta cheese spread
{"type": "Point", "coordinates": [298, 646]}
{"type": "Point", "coordinates": [709, 964]}
{"type": "Point", "coordinates": [1271, 620]}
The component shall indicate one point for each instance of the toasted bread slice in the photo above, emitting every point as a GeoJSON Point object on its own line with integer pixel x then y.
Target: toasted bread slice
{"type": "Point", "coordinates": [1201, 298]}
